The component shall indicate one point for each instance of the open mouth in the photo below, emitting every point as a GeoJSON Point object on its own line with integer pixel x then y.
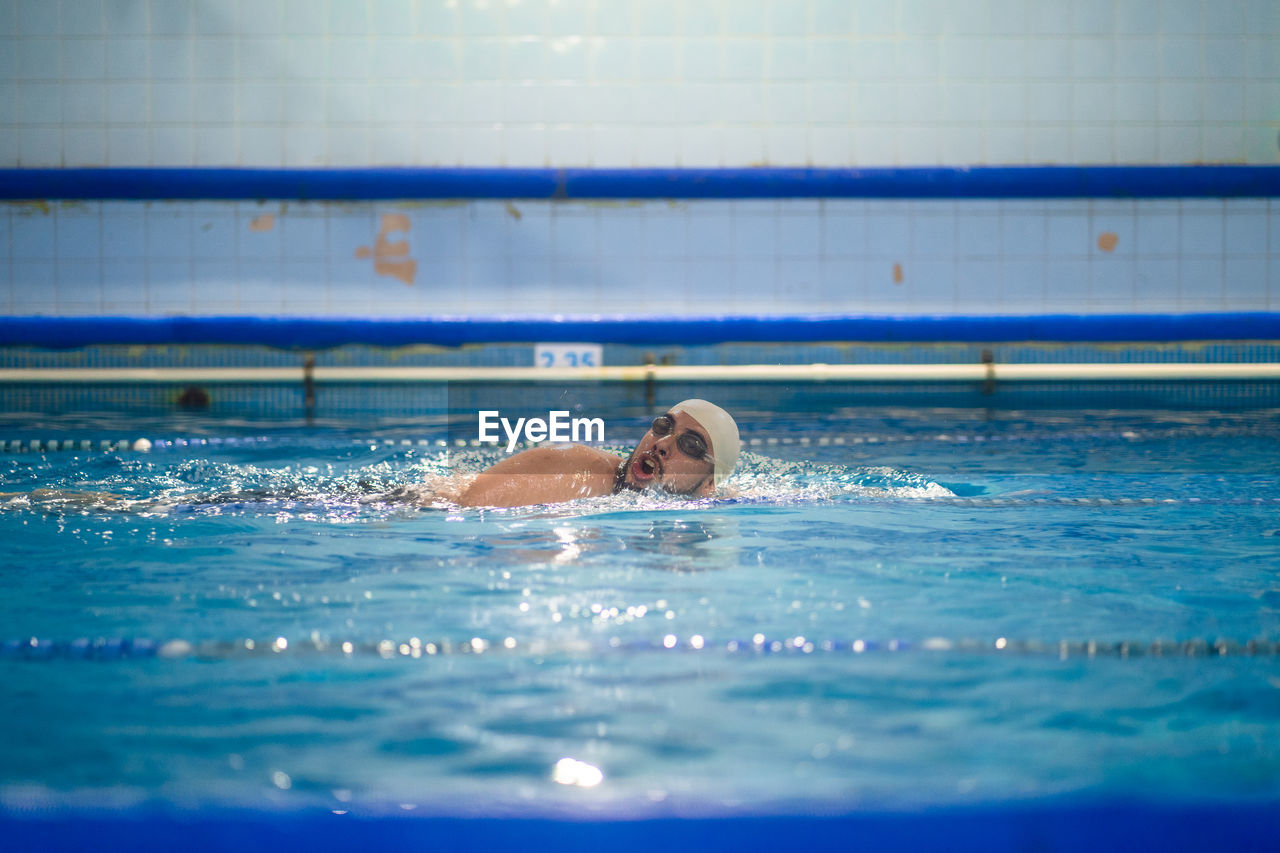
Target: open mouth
{"type": "Point", "coordinates": [646, 468]}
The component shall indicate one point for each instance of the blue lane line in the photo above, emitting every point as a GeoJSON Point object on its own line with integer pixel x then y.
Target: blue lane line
{"type": "Point", "coordinates": [368, 184]}
{"type": "Point", "coordinates": [325, 332]}
{"type": "Point", "coordinates": [1091, 827]}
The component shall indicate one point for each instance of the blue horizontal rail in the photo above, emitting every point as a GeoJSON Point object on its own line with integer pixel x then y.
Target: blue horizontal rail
{"type": "Point", "coordinates": [326, 332]}
{"type": "Point", "coordinates": [1208, 181]}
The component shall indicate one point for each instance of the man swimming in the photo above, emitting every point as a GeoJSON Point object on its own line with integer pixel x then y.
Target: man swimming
{"type": "Point", "coordinates": [690, 450]}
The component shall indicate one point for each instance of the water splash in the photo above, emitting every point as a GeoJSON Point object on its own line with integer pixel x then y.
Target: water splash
{"type": "Point", "coordinates": [761, 478]}
{"type": "Point", "coordinates": [400, 481]}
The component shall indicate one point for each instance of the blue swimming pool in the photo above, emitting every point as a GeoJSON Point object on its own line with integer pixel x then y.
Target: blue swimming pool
{"type": "Point", "coordinates": [902, 609]}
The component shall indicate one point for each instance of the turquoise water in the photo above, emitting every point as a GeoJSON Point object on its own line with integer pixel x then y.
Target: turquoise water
{"type": "Point", "coordinates": [897, 608]}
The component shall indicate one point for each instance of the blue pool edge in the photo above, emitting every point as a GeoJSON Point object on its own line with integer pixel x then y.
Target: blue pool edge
{"type": "Point", "coordinates": [305, 332]}
{"type": "Point", "coordinates": [568, 184]}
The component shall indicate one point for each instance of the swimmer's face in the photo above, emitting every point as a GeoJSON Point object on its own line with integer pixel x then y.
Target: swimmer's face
{"type": "Point", "coordinates": [660, 461]}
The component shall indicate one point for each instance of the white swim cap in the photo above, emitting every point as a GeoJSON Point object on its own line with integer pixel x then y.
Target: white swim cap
{"type": "Point", "coordinates": [721, 429]}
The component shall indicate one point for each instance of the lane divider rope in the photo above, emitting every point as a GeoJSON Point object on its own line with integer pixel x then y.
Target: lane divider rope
{"type": "Point", "coordinates": [37, 649]}
{"type": "Point", "coordinates": [384, 443]}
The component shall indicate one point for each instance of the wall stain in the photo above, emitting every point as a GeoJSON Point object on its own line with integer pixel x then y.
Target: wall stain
{"type": "Point", "coordinates": [897, 273]}
{"type": "Point", "coordinates": [514, 212]}
{"type": "Point", "coordinates": [391, 258]}
{"type": "Point", "coordinates": [265, 222]}
{"type": "Point", "coordinates": [30, 208]}
{"type": "Point", "coordinates": [1107, 241]}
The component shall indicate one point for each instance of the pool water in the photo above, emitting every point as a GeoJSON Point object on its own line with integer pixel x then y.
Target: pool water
{"type": "Point", "coordinates": [898, 608]}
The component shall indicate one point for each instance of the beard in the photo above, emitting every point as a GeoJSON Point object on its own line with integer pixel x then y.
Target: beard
{"type": "Point", "coordinates": [654, 484]}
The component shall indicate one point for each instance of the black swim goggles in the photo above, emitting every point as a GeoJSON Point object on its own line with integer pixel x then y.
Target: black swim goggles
{"type": "Point", "coordinates": [690, 443]}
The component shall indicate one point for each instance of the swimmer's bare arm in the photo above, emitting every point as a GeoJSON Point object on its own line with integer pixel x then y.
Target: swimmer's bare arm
{"type": "Point", "coordinates": [64, 497]}
{"type": "Point", "coordinates": [544, 475]}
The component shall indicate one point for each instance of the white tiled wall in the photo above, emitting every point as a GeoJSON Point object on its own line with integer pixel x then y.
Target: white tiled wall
{"type": "Point", "coordinates": [637, 82]}
{"type": "Point", "coordinates": [655, 258]}
{"type": "Point", "coordinates": [645, 83]}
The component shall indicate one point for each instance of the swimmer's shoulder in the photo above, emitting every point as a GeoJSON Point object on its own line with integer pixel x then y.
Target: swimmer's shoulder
{"type": "Point", "coordinates": [588, 458]}
{"type": "Point", "coordinates": [550, 474]}
{"type": "Point", "coordinates": [557, 458]}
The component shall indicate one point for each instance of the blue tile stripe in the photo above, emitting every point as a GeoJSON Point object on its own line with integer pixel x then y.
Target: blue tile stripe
{"type": "Point", "coordinates": [326, 332]}
{"type": "Point", "coordinates": [369, 184]}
